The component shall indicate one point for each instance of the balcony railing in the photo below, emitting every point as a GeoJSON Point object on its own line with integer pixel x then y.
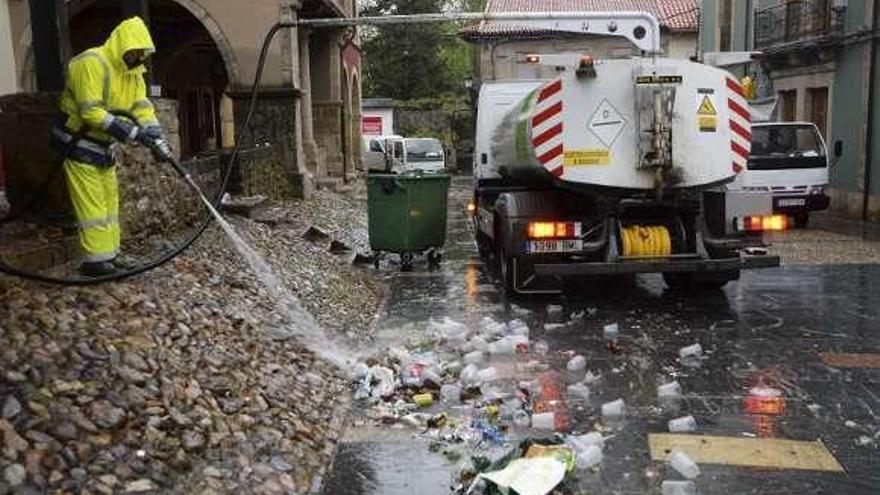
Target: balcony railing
{"type": "Point", "coordinates": [792, 21]}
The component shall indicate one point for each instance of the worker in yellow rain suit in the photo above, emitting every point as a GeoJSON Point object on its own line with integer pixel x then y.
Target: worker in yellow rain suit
{"type": "Point", "coordinates": [103, 83]}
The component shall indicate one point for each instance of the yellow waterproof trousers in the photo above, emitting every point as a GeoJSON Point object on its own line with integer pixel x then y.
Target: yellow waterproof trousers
{"type": "Point", "coordinates": [94, 192]}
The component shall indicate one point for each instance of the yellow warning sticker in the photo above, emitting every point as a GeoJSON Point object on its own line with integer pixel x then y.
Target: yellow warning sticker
{"type": "Point", "coordinates": [762, 452]}
{"type": "Point", "coordinates": [706, 107]}
{"type": "Point", "coordinates": [576, 158]}
{"type": "Point", "coordinates": [707, 113]}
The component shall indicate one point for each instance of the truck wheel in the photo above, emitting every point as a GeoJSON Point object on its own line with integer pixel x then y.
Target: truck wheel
{"type": "Point", "coordinates": [483, 245]}
{"type": "Point", "coordinates": [406, 260]}
{"type": "Point", "coordinates": [801, 220]}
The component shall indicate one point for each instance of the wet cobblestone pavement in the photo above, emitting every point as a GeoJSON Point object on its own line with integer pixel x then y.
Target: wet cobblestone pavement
{"type": "Point", "coordinates": [769, 330]}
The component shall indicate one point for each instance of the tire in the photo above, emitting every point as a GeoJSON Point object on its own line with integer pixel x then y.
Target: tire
{"type": "Point", "coordinates": [506, 267]}
{"type": "Point", "coordinates": [801, 220]}
{"type": "Point", "coordinates": [484, 246]}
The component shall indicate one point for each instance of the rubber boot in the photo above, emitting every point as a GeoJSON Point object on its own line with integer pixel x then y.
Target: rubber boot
{"type": "Point", "coordinates": [99, 269]}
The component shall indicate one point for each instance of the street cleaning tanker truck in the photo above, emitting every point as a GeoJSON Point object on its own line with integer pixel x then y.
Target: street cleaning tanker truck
{"type": "Point", "coordinates": [615, 166]}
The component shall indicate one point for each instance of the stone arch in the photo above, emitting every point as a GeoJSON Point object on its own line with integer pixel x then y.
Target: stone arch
{"type": "Point", "coordinates": [27, 72]}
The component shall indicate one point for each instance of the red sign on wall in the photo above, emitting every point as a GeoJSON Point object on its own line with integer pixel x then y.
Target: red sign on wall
{"type": "Point", "coordinates": [371, 126]}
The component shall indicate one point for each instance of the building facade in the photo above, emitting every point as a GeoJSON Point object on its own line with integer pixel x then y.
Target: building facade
{"type": "Point", "coordinates": [502, 49]}
{"type": "Point", "coordinates": [207, 55]}
{"type": "Point", "coordinates": [819, 58]}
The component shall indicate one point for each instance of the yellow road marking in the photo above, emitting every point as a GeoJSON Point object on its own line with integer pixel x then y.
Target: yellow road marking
{"type": "Point", "coordinates": [761, 452]}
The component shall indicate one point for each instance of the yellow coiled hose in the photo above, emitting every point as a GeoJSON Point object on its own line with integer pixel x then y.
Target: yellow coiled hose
{"type": "Point", "coordinates": [650, 240]}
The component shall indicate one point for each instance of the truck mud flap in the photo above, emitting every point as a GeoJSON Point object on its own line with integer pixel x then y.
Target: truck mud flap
{"type": "Point", "coordinates": [656, 266]}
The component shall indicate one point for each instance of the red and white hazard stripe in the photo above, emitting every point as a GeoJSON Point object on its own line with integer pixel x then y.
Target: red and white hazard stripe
{"type": "Point", "coordinates": [547, 127]}
{"type": "Point", "coordinates": [740, 122]}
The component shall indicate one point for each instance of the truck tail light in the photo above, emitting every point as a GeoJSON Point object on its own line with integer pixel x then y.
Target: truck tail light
{"type": "Point", "coordinates": [553, 230]}
{"type": "Point", "coordinates": [766, 223]}
{"type": "Point", "coordinates": [533, 59]}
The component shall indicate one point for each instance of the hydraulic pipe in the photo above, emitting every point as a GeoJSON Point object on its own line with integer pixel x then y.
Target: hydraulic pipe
{"type": "Point", "coordinates": [641, 28]}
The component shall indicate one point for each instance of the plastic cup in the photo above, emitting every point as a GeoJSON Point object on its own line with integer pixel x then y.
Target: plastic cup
{"type": "Point", "coordinates": [682, 424]}
{"type": "Point", "coordinates": [592, 438]}
{"type": "Point", "coordinates": [521, 418]}
{"type": "Point", "coordinates": [577, 363]}
{"type": "Point", "coordinates": [579, 392]}
{"type": "Point", "coordinates": [614, 409]}
{"type": "Point", "coordinates": [685, 466]}
{"type": "Point", "coordinates": [675, 487]}
{"type": "Point", "coordinates": [469, 375]}
{"type": "Point", "coordinates": [541, 348]}
{"type": "Point", "coordinates": [544, 421]}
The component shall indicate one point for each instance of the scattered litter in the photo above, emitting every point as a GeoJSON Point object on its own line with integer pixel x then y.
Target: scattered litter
{"type": "Point", "coordinates": [450, 393]}
{"type": "Point", "coordinates": [683, 424]}
{"type": "Point", "coordinates": [534, 476]}
{"type": "Point", "coordinates": [691, 351]}
{"type": "Point", "coordinates": [614, 409]}
{"type": "Point", "coordinates": [544, 421]}
{"type": "Point", "coordinates": [579, 392]}
{"type": "Point", "coordinates": [675, 487]}
{"type": "Point", "coordinates": [667, 390]}
{"type": "Point", "coordinates": [591, 378]}
{"type": "Point", "coordinates": [589, 456]}
{"type": "Point", "coordinates": [850, 424]}
{"type": "Point", "coordinates": [864, 441]}
{"type": "Point", "coordinates": [685, 466]}
{"type": "Point", "coordinates": [541, 348]}
{"type": "Point", "coordinates": [611, 332]}
{"type": "Point", "coordinates": [554, 310]}
{"type": "Point", "coordinates": [576, 368]}
{"type": "Point", "coordinates": [580, 442]}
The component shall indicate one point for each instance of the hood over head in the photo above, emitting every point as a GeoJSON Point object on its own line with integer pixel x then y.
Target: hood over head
{"type": "Point", "coordinates": [130, 34]}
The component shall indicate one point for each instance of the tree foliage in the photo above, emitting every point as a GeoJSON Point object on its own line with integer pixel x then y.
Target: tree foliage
{"type": "Point", "coordinates": [416, 60]}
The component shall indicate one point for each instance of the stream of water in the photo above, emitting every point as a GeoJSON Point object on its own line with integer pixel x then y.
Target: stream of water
{"type": "Point", "coordinates": [299, 324]}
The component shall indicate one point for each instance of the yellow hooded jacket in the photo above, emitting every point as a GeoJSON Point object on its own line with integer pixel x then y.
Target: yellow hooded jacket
{"type": "Point", "coordinates": [98, 81]}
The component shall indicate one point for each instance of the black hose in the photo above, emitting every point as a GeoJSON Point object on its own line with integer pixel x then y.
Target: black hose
{"type": "Point", "coordinates": [208, 217]}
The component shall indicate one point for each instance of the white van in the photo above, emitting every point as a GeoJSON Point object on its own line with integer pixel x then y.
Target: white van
{"type": "Point", "coordinates": [789, 160]}
{"type": "Point", "coordinates": [374, 152]}
{"type": "Point", "coordinates": [422, 154]}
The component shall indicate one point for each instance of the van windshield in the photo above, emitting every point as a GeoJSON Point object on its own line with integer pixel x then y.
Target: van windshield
{"type": "Point", "coordinates": [423, 150]}
{"type": "Point", "coordinates": [786, 146]}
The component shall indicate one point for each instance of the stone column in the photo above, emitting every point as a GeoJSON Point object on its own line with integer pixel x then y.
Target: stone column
{"type": "Point", "coordinates": [309, 146]}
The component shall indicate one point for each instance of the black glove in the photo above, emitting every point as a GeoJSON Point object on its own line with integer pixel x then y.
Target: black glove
{"type": "Point", "coordinates": [149, 134]}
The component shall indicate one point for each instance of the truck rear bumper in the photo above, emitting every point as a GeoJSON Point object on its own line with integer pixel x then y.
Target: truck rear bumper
{"type": "Point", "coordinates": [654, 266]}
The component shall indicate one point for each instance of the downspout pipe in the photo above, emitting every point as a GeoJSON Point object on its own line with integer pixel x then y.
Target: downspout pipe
{"type": "Point", "coordinates": [869, 137]}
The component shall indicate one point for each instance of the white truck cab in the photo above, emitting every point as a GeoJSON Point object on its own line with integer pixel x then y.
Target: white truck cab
{"type": "Point", "coordinates": [401, 155]}
{"type": "Point", "coordinates": [790, 161]}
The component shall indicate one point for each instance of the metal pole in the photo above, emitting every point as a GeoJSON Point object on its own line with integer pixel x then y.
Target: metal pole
{"type": "Point", "coordinates": [624, 23]}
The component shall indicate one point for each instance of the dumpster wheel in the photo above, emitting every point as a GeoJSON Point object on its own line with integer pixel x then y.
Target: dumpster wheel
{"type": "Point", "coordinates": [406, 261]}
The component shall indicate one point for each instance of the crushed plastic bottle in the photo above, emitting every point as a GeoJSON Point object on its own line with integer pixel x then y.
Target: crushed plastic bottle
{"type": "Point", "coordinates": [588, 457]}
{"type": "Point", "coordinates": [614, 409]}
{"type": "Point", "coordinates": [518, 327]}
{"type": "Point", "coordinates": [504, 346]}
{"type": "Point", "coordinates": [477, 343]}
{"type": "Point", "coordinates": [587, 439]}
{"type": "Point", "coordinates": [671, 389]}
{"type": "Point", "coordinates": [685, 466]}
{"type": "Point", "coordinates": [676, 487]}
{"type": "Point", "coordinates": [579, 392]}
{"type": "Point", "coordinates": [682, 424]}
{"type": "Point", "coordinates": [611, 332]}
{"type": "Point", "coordinates": [469, 375]}
{"type": "Point", "coordinates": [690, 352]}
{"type": "Point", "coordinates": [487, 375]}
{"type": "Point", "coordinates": [474, 357]}
{"type": "Point", "coordinates": [577, 363]}
{"type": "Point", "coordinates": [450, 393]}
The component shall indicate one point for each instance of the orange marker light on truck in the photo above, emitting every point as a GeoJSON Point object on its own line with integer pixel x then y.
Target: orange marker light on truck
{"type": "Point", "coordinates": [552, 230]}
{"type": "Point", "coordinates": [471, 208]}
{"type": "Point", "coordinates": [763, 223]}
{"type": "Point", "coordinates": [533, 59]}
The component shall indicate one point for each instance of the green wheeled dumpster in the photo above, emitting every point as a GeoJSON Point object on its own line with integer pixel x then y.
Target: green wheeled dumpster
{"type": "Point", "coordinates": [407, 215]}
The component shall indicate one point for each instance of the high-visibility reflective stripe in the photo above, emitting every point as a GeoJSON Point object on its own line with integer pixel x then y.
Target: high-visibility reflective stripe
{"type": "Point", "coordinates": [98, 222]}
{"type": "Point", "coordinates": [82, 143]}
{"type": "Point", "coordinates": [142, 104]}
{"type": "Point", "coordinates": [98, 257]}
{"type": "Point", "coordinates": [107, 122]}
{"type": "Point", "coordinates": [150, 123]}
{"type": "Point", "coordinates": [87, 105]}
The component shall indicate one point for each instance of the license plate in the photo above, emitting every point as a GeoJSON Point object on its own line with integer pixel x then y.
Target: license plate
{"type": "Point", "coordinates": [557, 246]}
{"type": "Point", "coordinates": [792, 202]}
